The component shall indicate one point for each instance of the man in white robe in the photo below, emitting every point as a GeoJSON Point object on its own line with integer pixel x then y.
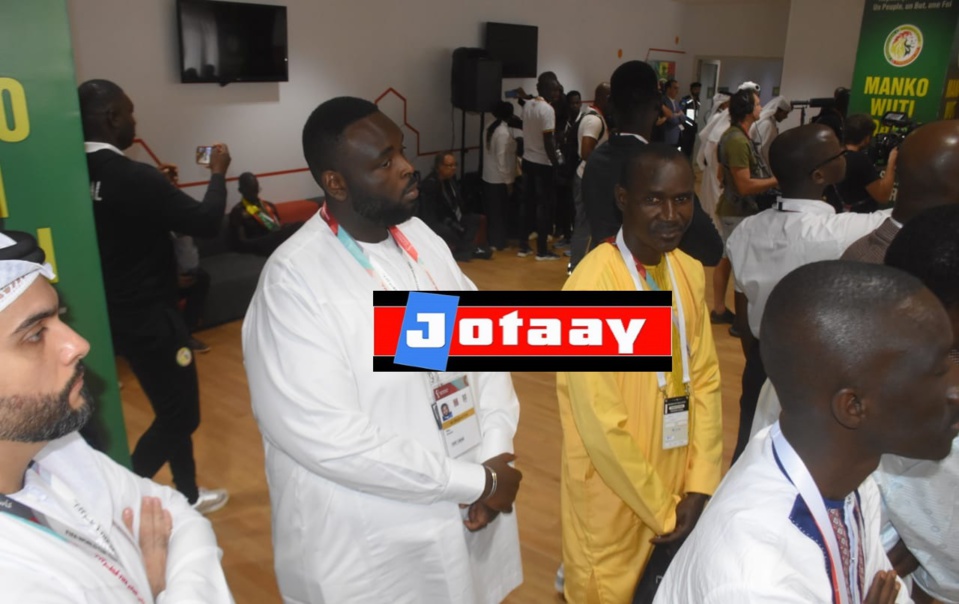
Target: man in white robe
{"type": "Point", "coordinates": [367, 505]}
{"type": "Point", "coordinates": [766, 129]}
{"type": "Point", "coordinates": [706, 159]}
{"type": "Point", "coordinates": [796, 519]}
{"type": "Point", "coordinates": [75, 526]}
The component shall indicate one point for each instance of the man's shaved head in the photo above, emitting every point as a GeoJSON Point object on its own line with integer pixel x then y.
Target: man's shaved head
{"type": "Point", "coordinates": [859, 355]}
{"type": "Point", "coordinates": [799, 152]}
{"type": "Point", "coordinates": [928, 169]}
{"type": "Point", "coordinates": [823, 319]}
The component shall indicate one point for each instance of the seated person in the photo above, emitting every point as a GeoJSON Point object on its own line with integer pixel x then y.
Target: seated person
{"type": "Point", "coordinates": [772, 533]}
{"type": "Point", "coordinates": [74, 525]}
{"type": "Point", "coordinates": [863, 189]}
{"type": "Point", "coordinates": [441, 208]}
{"type": "Point", "coordinates": [255, 226]}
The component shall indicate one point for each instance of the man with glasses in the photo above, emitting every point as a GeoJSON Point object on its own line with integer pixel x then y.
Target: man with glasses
{"type": "Point", "coordinates": [799, 229]}
{"type": "Point", "coordinates": [441, 207]}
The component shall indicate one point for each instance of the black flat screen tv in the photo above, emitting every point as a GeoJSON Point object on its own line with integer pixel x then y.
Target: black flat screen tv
{"type": "Point", "coordinates": [515, 46]}
{"type": "Point", "coordinates": [225, 42]}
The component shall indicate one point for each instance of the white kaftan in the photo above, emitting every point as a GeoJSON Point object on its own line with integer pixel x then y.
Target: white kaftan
{"type": "Point", "coordinates": [36, 566]}
{"type": "Point", "coordinates": [365, 500]}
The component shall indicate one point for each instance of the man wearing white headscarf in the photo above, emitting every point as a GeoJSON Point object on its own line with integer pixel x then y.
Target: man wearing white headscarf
{"type": "Point", "coordinates": [765, 131]}
{"type": "Point", "coordinates": [74, 525]}
{"type": "Point", "coordinates": [710, 190]}
{"type": "Point", "coordinates": [717, 123]}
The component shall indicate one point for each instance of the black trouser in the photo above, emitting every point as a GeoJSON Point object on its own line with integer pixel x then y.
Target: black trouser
{"type": "Point", "coordinates": [540, 203]}
{"type": "Point", "coordinates": [495, 199]}
{"type": "Point", "coordinates": [194, 295]}
{"type": "Point", "coordinates": [155, 344]}
{"type": "Point", "coordinates": [461, 241]}
{"type": "Point", "coordinates": [754, 376]}
{"type": "Point", "coordinates": [564, 209]}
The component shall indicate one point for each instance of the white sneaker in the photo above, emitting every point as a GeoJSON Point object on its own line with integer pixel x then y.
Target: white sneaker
{"type": "Point", "coordinates": [210, 500]}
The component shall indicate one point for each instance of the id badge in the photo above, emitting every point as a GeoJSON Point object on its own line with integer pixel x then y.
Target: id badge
{"type": "Point", "coordinates": [455, 413]}
{"type": "Point", "coordinates": [676, 422]}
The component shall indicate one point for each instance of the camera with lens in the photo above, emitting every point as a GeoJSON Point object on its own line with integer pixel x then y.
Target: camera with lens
{"type": "Point", "coordinates": [882, 144]}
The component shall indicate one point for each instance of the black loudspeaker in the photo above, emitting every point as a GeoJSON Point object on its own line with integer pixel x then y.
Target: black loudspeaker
{"type": "Point", "coordinates": [477, 80]}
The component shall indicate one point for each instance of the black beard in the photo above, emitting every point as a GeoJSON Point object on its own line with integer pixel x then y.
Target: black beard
{"type": "Point", "coordinates": [382, 212]}
{"type": "Point", "coordinates": [46, 417]}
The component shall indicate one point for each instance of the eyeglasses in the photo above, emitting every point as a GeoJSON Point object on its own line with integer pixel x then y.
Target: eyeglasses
{"type": "Point", "coordinates": [826, 161]}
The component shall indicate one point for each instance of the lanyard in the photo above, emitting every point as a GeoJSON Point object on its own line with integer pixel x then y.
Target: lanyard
{"type": "Point", "coordinates": [360, 256]}
{"type": "Point", "coordinates": [102, 549]}
{"type": "Point", "coordinates": [799, 475]}
{"type": "Point", "coordinates": [634, 272]}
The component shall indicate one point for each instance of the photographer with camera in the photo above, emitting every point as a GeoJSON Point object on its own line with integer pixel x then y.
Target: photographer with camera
{"type": "Point", "coordinates": [743, 175]}
{"type": "Point", "coordinates": [862, 190]}
{"type": "Point", "coordinates": [927, 179]}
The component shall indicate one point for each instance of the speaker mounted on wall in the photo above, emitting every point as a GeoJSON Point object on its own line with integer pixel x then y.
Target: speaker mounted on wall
{"type": "Point", "coordinates": [476, 82]}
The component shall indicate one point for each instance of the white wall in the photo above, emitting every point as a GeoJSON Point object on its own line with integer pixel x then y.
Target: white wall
{"type": "Point", "coordinates": [363, 48]}
{"type": "Point", "coordinates": [737, 28]}
{"type": "Point", "coordinates": [343, 47]}
{"type": "Point", "coordinates": [820, 49]}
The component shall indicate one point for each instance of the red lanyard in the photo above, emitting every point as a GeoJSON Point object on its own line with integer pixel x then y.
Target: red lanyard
{"type": "Point", "coordinates": [354, 249]}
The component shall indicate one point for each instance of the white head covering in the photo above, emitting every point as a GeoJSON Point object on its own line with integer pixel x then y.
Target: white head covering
{"type": "Point", "coordinates": [18, 265]}
{"type": "Point", "coordinates": [718, 99]}
{"type": "Point", "coordinates": [747, 85]}
{"type": "Point", "coordinates": [779, 102]}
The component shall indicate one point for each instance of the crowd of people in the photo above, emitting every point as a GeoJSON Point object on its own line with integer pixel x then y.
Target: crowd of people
{"type": "Point", "coordinates": [846, 467]}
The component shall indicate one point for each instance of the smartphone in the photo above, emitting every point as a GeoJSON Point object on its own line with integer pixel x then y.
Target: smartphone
{"type": "Point", "coordinates": [203, 155]}
{"type": "Point", "coordinates": [511, 94]}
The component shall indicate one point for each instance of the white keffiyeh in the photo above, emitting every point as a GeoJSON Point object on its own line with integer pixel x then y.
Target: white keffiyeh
{"type": "Point", "coordinates": [17, 275]}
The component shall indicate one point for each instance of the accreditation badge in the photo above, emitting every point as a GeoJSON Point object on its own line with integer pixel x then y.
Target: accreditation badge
{"type": "Point", "coordinates": [675, 422]}
{"type": "Point", "coordinates": [455, 412]}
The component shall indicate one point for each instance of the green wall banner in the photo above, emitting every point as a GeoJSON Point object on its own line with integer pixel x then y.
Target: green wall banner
{"type": "Point", "coordinates": [44, 186]}
{"type": "Point", "coordinates": [906, 50]}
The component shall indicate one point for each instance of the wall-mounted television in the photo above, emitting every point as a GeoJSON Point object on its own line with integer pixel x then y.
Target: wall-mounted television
{"type": "Point", "coordinates": [225, 42]}
{"type": "Point", "coordinates": [515, 46]}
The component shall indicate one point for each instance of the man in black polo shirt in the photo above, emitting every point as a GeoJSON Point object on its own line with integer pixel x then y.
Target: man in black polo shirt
{"type": "Point", "coordinates": [136, 208]}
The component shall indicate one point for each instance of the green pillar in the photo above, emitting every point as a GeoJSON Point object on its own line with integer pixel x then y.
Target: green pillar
{"type": "Point", "coordinates": [44, 186]}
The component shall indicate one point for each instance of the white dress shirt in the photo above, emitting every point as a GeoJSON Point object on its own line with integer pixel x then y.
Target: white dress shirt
{"type": "Point", "coordinates": [766, 247]}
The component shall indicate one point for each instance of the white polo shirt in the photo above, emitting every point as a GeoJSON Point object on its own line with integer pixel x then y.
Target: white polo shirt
{"type": "Point", "coordinates": [766, 247]}
{"type": "Point", "coordinates": [538, 118]}
{"type": "Point", "coordinates": [593, 126]}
